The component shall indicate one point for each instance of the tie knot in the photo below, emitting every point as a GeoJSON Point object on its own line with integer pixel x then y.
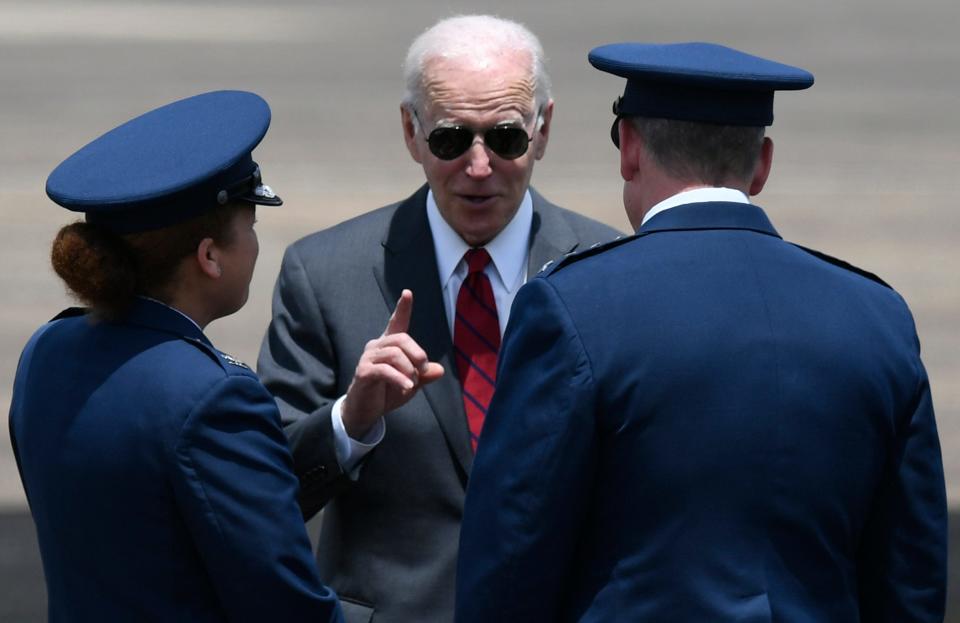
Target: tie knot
{"type": "Point", "coordinates": [477, 260]}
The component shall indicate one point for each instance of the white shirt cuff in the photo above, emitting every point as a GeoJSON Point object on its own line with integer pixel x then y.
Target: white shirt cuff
{"type": "Point", "coordinates": [349, 451]}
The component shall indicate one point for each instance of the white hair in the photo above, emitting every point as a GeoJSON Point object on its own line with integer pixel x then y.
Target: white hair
{"type": "Point", "coordinates": [475, 37]}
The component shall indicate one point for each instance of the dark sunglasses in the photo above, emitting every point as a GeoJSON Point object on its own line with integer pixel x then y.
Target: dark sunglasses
{"type": "Point", "coordinates": [450, 142]}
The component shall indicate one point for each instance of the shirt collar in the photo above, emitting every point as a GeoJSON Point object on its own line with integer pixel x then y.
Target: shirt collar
{"type": "Point", "coordinates": [508, 251]}
{"type": "Point", "coordinates": [697, 195]}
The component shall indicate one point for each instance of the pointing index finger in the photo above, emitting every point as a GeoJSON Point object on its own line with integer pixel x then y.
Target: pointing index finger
{"type": "Point", "coordinates": [400, 319]}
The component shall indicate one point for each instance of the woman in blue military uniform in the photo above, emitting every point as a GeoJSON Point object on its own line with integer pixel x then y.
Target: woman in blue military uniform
{"type": "Point", "coordinates": [155, 466]}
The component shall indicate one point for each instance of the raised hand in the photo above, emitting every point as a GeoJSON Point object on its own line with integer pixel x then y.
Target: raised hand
{"type": "Point", "coordinates": [391, 370]}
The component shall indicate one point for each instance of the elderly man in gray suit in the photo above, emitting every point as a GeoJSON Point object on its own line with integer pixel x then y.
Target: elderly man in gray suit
{"type": "Point", "coordinates": [387, 462]}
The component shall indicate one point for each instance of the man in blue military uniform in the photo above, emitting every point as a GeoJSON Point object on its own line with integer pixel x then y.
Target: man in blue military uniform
{"type": "Point", "coordinates": [155, 466]}
{"type": "Point", "coordinates": [704, 422]}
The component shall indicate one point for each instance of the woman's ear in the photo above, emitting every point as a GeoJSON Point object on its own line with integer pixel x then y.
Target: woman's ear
{"type": "Point", "coordinates": [208, 258]}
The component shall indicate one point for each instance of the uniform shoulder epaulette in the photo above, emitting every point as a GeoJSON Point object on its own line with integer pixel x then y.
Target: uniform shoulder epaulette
{"type": "Point", "coordinates": [71, 312]}
{"type": "Point", "coordinates": [554, 265]}
{"type": "Point", "coordinates": [845, 265]}
{"type": "Point", "coordinates": [233, 361]}
{"type": "Point", "coordinates": [228, 363]}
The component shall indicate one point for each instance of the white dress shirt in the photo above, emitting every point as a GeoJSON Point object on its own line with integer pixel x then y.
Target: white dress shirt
{"type": "Point", "coordinates": [508, 251]}
{"type": "Point", "coordinates": [507, 271]}
{"type": "Point", "coordinates": [697, 195]}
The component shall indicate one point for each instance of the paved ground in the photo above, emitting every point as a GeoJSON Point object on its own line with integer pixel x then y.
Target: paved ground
{"type": "Point", "coordinates": [866, 161]}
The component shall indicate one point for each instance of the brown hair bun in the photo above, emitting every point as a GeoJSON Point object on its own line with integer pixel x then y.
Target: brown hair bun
{"type": "Point", "coordinates": [97, 265]}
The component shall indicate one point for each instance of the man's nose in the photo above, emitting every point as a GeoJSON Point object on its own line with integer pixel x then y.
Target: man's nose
{"type": "Point", "coordinates": [479, 164]}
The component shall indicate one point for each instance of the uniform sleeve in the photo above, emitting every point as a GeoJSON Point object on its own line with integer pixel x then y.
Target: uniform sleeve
{"type": "Point", "coordinates": [297, 365]}
{"type": "Point", "coordinates": [535, 463]}
{"type": "Point", "coordinates": [235, 487]}
{"type": "Point", "coordinates": [903, 554]}
{"type": "Point", "coordinates": [20, 383]}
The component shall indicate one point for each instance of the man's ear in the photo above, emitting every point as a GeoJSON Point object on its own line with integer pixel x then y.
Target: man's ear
{"type": "Point", "coordinates": [762, 170]}
{"type": "Point", "coordinates": [631, 144]}
{"type": "Point", "coordinates": [541, 130]}
{"type": "Point", "coordinates": [410, 133]}
{"type": "Point", "coordinates": [208, 258]}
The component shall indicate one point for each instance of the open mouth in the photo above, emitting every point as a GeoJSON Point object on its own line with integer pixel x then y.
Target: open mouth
{"type": "Point", "coordinates": [477, 199]}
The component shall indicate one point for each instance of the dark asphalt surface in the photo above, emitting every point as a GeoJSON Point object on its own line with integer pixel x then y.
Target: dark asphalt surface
{"type": "Point", "coordinates": [23, 595]}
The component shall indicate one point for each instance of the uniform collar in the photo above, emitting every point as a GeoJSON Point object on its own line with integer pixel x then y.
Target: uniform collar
{"type": "Point", "coordinates": [153, 314]}
{"type": "Point", "coordinates": [697, 195]}
{"type": "Point", "coordinates": [508, 251]}
{"type": "Point", "coordinates": [711, 215]}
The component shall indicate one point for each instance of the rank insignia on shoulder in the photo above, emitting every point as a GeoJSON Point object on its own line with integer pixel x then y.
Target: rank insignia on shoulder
{"type": "Point", "coordinates": [575, 256]}
{"type": "Point", "coordinates": [234, 361]}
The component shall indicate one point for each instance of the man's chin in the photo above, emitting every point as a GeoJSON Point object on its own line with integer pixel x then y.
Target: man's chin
{"type": "Point", "coordinates": [477, 234]}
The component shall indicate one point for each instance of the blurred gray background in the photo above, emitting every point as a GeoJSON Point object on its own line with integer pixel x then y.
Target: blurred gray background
{"type": "Point", "coordinates": [866, 162]}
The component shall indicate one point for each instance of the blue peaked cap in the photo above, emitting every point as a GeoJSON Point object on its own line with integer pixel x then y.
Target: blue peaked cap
{"type": "Point", "coordinates": [168, 165]}
{"type": "Point", "coordinates": [702, 82]}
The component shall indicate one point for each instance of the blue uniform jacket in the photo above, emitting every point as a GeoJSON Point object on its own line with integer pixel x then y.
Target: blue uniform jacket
{"type": "Point", "coordinates": [706, 423]}
{"type": "Point", "coordinates": [159, 477]}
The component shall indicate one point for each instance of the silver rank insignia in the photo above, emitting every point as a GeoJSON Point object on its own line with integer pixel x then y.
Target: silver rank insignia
{"type": "Point", "coordinates": [234, 361]}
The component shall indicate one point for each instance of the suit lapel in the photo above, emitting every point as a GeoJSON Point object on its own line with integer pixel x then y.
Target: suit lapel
{"type": "Point", "coordinates": [550, 235]}
{"type": "Point", "coordinates": [410, 262]}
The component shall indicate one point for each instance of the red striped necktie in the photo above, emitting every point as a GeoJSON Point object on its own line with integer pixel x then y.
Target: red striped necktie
{"type": "Point", "coordinates": [476, 340]}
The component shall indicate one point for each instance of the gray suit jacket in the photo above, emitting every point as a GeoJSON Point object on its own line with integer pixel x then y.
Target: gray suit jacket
{"type": "Point", "coordinates": [388, 542]}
